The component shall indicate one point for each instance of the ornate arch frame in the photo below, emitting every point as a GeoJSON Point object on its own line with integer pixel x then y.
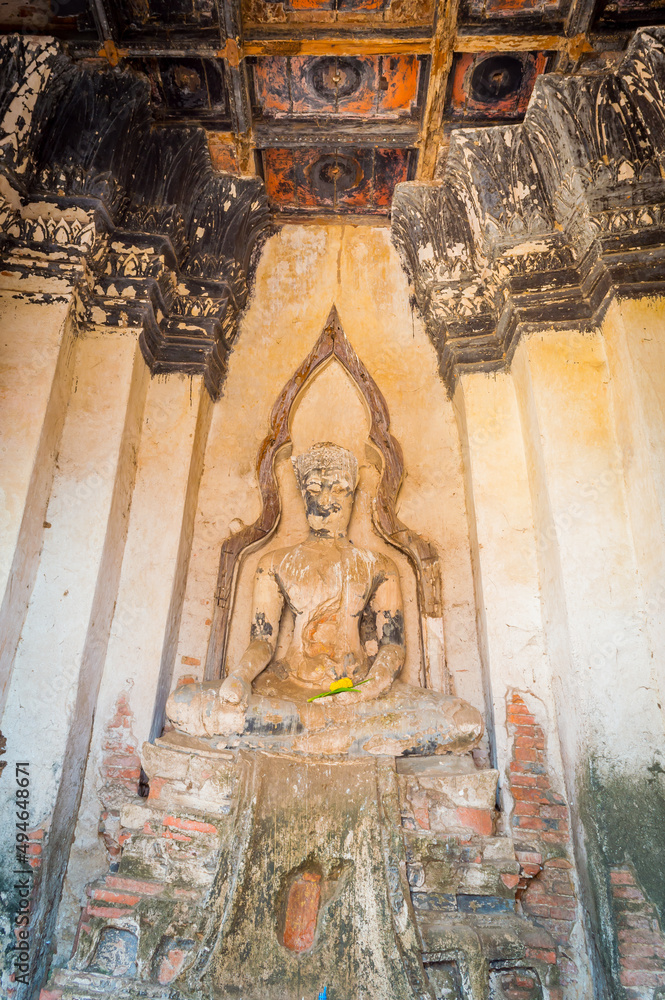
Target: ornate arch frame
{"type": "Point", "coordinates": [424, 558]}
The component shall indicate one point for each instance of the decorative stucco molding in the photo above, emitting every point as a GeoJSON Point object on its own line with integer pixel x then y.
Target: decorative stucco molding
{"type": "Point", "coordinates": [541, 222]}
{"type": "Point", "coordinates": [134, 214]}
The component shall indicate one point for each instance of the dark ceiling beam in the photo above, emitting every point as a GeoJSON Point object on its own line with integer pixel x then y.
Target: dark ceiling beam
{"type": "Point", "coordinates": [235, 71]}
{"type": "Point", "coordinates": [387, 135]}
{"type": "Point", "coordinates": [465, 42]}
{"type": "Point", "coordinates": [581, 16]}
{"type": "Point", "coordinates": [442, 47]}
{"type": "Point", "coordinates": [338, 46]}
{"type": "Point", "coordinates": [155, 48]}
{"type": "Point", "coordinates": [103, 22]}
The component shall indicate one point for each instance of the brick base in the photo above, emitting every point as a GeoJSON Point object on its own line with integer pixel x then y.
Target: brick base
{"type": "Point", "coordinates": [541, 828]}
{"type": "Point", "coordinates": [641, 940]}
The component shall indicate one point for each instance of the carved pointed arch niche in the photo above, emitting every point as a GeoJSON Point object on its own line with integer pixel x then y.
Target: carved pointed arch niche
{"type": "Point", "coordinates": [424, 558]}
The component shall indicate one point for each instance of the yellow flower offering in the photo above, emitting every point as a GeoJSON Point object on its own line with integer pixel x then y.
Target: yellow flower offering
{"type": "Point", "coordinates": [337, 687]}
{"type": "Point", "coordinates": [341, 683]}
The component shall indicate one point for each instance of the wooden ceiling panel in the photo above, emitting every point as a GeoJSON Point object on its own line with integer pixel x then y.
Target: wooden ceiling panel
{"type": "Point", "coordinates": [502, 10]}
{"type": "Point", "coordinates": [628, 13]}
{"type": "Point", "coordinates": [335, 101]}
{"type": "Point", "coordinates": [493, 85]}
{"type": "Point", "coordinates": [347, 180]}
{"type": "Point", "coordinates": [168, 13]}
{"type": "Point", "coordinates": [379, 15]}
{"type": "Point", "coordinates": [55, 16]}
{"type": "Point", "coordinates": [187, 88]}
{"type": "Point", "coordinates": [371, 86]}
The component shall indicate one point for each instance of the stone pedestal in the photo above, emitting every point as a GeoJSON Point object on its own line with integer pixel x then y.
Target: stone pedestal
{"type": "Point", "coordinates": [281, 876]}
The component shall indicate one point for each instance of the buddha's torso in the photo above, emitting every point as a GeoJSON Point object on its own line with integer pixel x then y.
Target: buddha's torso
{"type": "Point", "coordinates": [327, 584]}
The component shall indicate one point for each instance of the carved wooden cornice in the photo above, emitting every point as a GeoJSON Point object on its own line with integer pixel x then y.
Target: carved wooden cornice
{"type": "Point", "coordinates": [133, 214]}
{"type": "Point", "coordinates": [543, 222]}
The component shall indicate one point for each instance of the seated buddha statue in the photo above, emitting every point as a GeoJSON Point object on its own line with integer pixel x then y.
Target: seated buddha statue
{"type": "Point", "coordinates": [331, 692]}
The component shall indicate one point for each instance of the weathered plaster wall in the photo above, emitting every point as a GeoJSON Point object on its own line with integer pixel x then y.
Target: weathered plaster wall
{"type": "Point", "coordinates": [174, 424]}
{"type": "Point", "coordinates": [35, 376]}
{"type": "Point", "coordinates": [543, 488]}
{"type": "Point", "coordinates": [564, 484]}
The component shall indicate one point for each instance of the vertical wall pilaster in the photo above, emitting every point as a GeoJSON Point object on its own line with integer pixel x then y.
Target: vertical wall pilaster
{"type": "Point", "coordinates": [503, 546]}
{"type": "Point", "coordinates": [634, 336]}
{"type": "Point", "coordinates": [606, 693]}
{"type": "Point", "coordinates": [51, 702]}
{"type": "Point", "coordinates": [141, 650]}
{"type": "Point", "coordinates": [36, 359]}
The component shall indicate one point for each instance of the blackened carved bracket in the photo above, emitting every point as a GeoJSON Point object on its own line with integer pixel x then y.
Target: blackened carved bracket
{"type": "Point", "coordinates": [134, 216]}
{"type": "Point", "coordinates": [424, 558]}
{"type": "Point", "coordinates": [542, 222]}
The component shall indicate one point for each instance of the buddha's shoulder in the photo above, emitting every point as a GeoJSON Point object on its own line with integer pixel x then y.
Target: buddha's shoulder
{"type": "Point", "coordinates": [376, 562]}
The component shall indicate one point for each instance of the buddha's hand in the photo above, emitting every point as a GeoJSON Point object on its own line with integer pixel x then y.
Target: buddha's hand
{"type": "Point", "coordinates": [376, 684]}
{"type": "Point", "coordinates": [235, 691]}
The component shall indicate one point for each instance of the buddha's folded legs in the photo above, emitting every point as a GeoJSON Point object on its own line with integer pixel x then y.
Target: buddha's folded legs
{"type": "Point", "coordinates": [404, 720]}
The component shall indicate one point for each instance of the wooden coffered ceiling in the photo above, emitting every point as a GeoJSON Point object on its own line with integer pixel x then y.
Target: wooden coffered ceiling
{"type": "Point", "coordinates": [333, 102]}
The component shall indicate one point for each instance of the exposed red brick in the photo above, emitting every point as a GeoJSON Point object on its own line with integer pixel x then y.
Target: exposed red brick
{"type": "Point", "coordinates": [626, 892]}
{"type": "Point", "coordinates": [637, 936]}
{"type": "Point", "coordinates": [521, 793]}
{"type": "Point", "coordinates": [120, 768]}
{"type": "Point", "coordinates": [526, 753]}
{"type": "Point", "coordinates": [527, 808]}
{"type": "Point", "coordinates": [562, 913]}
{"type": "Point", "coordinates": [50, 994]}
{"type": "Point", "coordinates": [541, 955]}
{"type": "Point", "coordinates": [133, 885]}
{"type": "Point", "coordinates": [622, 878]}
{"type": "Point", "coordinates": [556, 836]}
{"type": "Point", "coordinates": [554, 812]}
{"type": "Point", "coordinates": [421, 816]}
{"type": "Point", "coordinates": [522, 730]}
{"type": "Point", "coordinates": [167, 835]}
{"type": "Point", "coordinates": [529, 823]}
{"type": "Point", "coordinates": [532, 780]}
{"type": "Point", "coordinates": [107, 896]}
{"type": "Point", "coordinates": [170, 965]}
{"type": "Point", "coordinates": [480, 820]}
{"type": "Point", "coordinates": [641, 940]}
{"type": "Point", "coordinates": [156, 785]}
{"type": "Point", "coordinates": [529, 857]}
{"type": "Point", "coordinates": [302, 910]}
{"type": "Point", "coordinates": [530, 870]}
{"type": "Point", "coordinates": [641, 951]}
{"type": "Point", "coordinates": [106, 912]}
{"type": "Point", "coordinates": [190, 661]}
{"type": "Point", "coordinates": [188, 824]}
{"type": "Point", "coordinates": [525, 741]}
{"type": "Point", "coordinates": [642, 977]}
{"type": "Point", "coordinates": [547, 891]}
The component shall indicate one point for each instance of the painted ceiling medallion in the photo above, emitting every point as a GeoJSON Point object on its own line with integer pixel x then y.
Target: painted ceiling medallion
{"type": "Point", "coordinates": [497, 77]}
{"type": "Point", "coordinates": [333, 78]}
{"type": "Point", "coordinates": [494, 85]}
{"type": "Point", "coordinates": [334, 173]}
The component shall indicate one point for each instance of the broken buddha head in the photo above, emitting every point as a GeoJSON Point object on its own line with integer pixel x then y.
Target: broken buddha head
{"type": "Point", "coordinates": [327, 476]}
